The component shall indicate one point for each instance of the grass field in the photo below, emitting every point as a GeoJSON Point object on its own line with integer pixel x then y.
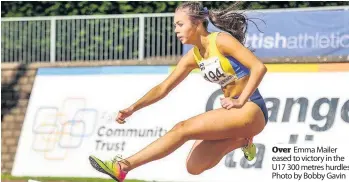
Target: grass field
{"type": "Point", "coordinates": [47, 179]}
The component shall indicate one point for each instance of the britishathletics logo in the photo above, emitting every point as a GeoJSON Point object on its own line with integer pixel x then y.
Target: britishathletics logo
{"type": "Point", "coordinates": [57, 130]}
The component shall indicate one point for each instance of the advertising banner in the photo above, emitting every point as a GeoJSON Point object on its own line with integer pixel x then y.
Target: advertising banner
{"type": "Point", "coordinates": [71, 115]}
{"type": "Point", "coordinates": [296, 33]}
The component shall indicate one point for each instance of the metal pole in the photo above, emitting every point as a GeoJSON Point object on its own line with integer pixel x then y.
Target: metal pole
{"type": "Point", "coordinates": [141, 39]}
{"type": "Point", "coordinates": [53, 41]}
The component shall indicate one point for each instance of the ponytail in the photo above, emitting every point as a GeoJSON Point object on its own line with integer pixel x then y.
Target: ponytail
{"type": "Point", "coordinates": [230, 21]}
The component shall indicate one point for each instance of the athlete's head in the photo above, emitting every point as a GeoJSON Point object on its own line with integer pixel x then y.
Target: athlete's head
{"type": "Point", "coordinates": [191, 18]}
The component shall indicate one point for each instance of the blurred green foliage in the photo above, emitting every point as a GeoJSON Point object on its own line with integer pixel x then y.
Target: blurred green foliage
{"type": "Point", "coordinates": [61, 8]}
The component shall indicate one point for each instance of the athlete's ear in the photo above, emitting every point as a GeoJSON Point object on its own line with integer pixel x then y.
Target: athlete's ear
{"type": "Point", "coordinates": [195, 22]}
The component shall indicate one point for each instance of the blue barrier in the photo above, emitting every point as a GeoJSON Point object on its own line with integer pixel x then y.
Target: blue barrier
{"type": "Point", "coordinates": [297, 33]}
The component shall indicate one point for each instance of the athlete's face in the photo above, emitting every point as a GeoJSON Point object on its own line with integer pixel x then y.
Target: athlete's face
{"type": "Point", "coordinates": [185, 29]}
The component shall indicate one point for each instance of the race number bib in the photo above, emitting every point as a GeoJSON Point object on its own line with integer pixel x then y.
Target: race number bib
{"type": "Point", "coordinates": [212, 71]}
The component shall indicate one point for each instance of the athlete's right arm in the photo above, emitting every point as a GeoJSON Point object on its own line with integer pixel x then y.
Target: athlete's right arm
{"type": "Point", "coordinates": [184, 67]}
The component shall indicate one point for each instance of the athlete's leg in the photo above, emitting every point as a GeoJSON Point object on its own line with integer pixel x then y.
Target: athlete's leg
{"type": "Point", "coordinates": [212, 151]}
{"type": "Point", "coordinates": [217, 124]}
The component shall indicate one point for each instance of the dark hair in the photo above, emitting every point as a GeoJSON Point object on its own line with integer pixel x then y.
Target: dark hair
{"type": "Point", "coordinates": [225, 19]}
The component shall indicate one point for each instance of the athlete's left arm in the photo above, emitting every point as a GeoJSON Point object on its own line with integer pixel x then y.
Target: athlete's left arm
{"type": "Point", "coordinates": [230, 46]}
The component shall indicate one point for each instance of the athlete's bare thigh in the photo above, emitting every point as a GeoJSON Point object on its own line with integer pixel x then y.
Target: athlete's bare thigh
{"type": "Point", "coordinates": [221, 123]}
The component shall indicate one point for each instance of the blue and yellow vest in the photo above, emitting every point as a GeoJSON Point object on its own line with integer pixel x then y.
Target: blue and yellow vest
{"type": "Point", "coordinates": [218, 68]}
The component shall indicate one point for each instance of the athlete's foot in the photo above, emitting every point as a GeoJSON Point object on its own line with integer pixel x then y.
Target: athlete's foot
{"type": "Point", "coordinates": [249, 150]}
{"type": "Point", "coordinates": [109, 167]}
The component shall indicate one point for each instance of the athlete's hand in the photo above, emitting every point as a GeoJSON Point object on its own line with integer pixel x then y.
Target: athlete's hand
{"type": "Point", "coordinates": [229, 103]}
{"type": "Point", "coordinates": [123, 114]}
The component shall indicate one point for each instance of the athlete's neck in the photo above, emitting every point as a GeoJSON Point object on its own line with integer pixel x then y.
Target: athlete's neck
{"type": "Point", "coordinates": [201, 40]}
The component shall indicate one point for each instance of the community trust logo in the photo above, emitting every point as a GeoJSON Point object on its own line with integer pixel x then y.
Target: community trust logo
{"type": "Point", "coordinates": [58, 130]}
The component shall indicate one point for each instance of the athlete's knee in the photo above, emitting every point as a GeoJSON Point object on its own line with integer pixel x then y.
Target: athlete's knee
{"type": "Point", "coordinates": [194, 169]}
{"type": "Point", "coordinates": [180, 128]}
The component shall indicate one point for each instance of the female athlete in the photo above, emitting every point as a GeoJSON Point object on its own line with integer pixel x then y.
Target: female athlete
{"type": "Point", "coordinates": [222, 59]}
